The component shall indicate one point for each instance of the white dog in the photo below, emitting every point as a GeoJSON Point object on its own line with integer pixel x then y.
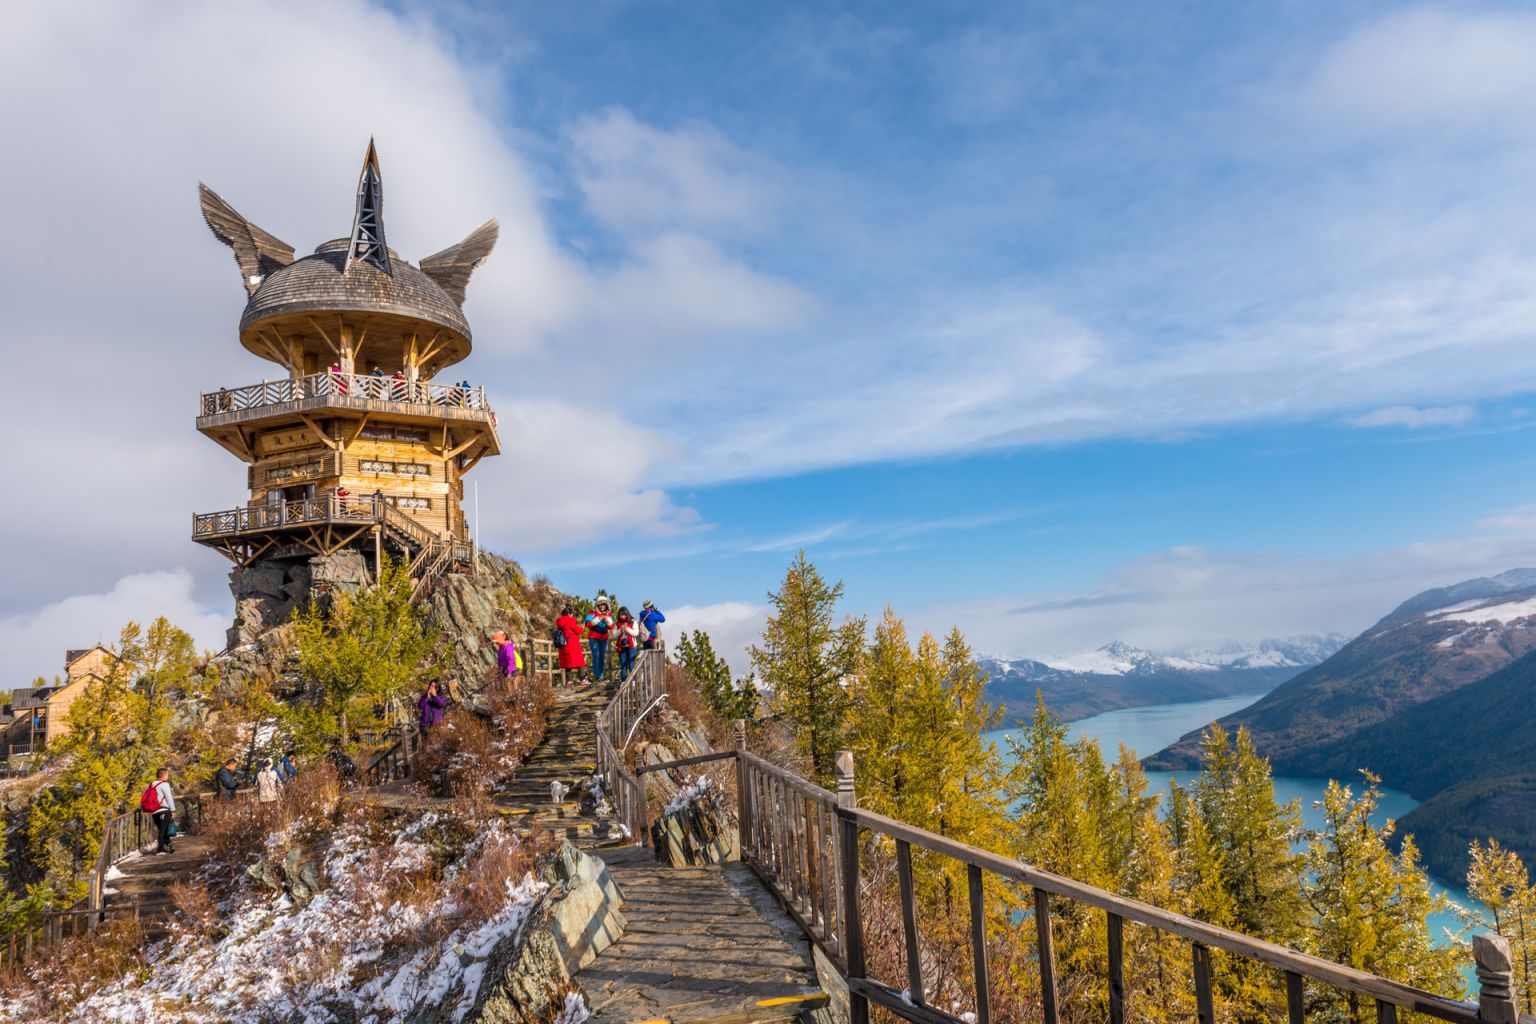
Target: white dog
{"type": "Point", "coordinates": [557, 791]}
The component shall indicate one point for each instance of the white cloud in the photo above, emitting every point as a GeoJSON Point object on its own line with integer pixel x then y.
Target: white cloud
{"type": "Point", "coordinates": [1429, 69]}
{"type": "Point", "coordinates": [637, 177]}
{"type": "Point", "coordinates": [733, 626]}
{"type": "Point", "coordinates": [1193, 596]}
{"type": "Point", "coordinates": [1414, 418]}
{"type": "Point", "coordinates": [33, 643]}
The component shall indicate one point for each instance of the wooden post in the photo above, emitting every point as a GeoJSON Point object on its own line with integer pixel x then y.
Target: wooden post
{"type": "Point", "coordinates": [743, 797]}
{"type": "Point", "coordinates": [1496, 1002]}
{"type": "Point", "coordinates": [853, 927]}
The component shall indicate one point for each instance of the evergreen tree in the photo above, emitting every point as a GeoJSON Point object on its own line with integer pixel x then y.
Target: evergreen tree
{"type": "Point", "coordinates": [1498, 880]}
{"type": "Point", "coordinates": [807, 661]}
{"type": "Point", "coordinates": [728, 699]}
{"type": "Point", "coordinates": [1369, 906]}
{"type": "Point", "coordinates": [367, 649]}
{"type": "Point", "coordinates": [163, 663]}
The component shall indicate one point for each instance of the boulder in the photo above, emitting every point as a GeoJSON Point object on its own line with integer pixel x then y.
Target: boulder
{"type": "Point", "coordinates": [577, 918]}
{"type": "Point", "coordinates": [698, 834]}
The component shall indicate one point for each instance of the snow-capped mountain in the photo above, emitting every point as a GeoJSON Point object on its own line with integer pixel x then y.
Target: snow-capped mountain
{"type": "Point", "coordinates": [1119, 658]}
{"type": "Point", "coordinates": [1119, 675]}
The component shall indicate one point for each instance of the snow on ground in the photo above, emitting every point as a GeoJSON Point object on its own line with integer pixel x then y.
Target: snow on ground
{"type": "Point", "coordinates": [1508, 612]}
{"type": "Point", "coordinates": [695, 791]}
{"type": "Point", "coordinates": [356, 947]}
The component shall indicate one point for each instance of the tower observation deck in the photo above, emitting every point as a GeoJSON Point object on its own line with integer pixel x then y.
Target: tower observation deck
{"type": "Point", "coordinates": [356, 445]}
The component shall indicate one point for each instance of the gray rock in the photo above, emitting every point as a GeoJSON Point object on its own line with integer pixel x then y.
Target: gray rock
{"type": "Point", "coordinates": [579, 917]}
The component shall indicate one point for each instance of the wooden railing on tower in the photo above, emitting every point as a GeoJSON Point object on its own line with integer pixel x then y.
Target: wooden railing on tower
{"type": "Point", "coordinates": [807, 845]}
{"type": "Point", "coordinates": [341, 385]}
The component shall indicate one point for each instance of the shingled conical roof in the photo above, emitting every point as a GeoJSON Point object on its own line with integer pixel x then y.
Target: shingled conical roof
{"type": "Point", "coordinates": [359, 277]}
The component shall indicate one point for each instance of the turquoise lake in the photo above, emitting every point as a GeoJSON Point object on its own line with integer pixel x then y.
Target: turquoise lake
{"type": "Point", "coordinates": [1149, 729]}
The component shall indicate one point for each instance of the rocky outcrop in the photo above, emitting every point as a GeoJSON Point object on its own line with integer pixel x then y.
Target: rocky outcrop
{"type": "Point", "coordinates": [469, 608]}
{"type": "Point", "coordinates": [578, 918]}
{"type": "Point", "coordinates": [269, 590]}
{"type": "Point", "coordinates": [293, 874]}
{"type": "Point", "coordinates": [696, 826]}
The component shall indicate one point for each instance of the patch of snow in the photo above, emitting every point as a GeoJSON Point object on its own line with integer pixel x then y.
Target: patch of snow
{"type": "Point", "coordinates": [695, 791]}
{"type": "Point", "coordinates": [574, 1011]}
{"type": "Point", "coordinates": [1466, 611]}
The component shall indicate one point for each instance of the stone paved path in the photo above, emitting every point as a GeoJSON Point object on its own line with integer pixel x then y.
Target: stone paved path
{"type": "Point", "coordinates": [704, 944]}
{"type": "Point", "coordinates": [147, 878]}
{"type": "Point", "coordinates": [567, 753]}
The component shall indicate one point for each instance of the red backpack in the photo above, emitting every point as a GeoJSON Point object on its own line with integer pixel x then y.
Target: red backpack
{"type": "Point", "coordinates": [150, 801]}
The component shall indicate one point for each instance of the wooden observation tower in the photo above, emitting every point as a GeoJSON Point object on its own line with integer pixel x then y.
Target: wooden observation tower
{"type": "Point", "coordinates": [356, 447]}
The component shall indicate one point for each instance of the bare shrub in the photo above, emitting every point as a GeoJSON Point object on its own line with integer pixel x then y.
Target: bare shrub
{"type": "Point", "coordinates": [194, 908]}
{"type": "Point", "coordinates": [71, 970]}
{"type": "Point", "coordinates": [478, 748]}
{"type": "Point", "coordinates": [238, 829]}
{"type": "Point", "coordinates": [498, 863]}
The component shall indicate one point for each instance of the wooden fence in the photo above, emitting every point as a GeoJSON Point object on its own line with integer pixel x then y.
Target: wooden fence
{"type": "Point", "coordinates": [805, 843]}
{"type": "Point", "coordinates": [341, 385]}
{"type": "Point", "coordinates": [616, 724]}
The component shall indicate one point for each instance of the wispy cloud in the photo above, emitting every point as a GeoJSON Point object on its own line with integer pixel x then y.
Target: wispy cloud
{"type": "Point", "coordinates": [1415, 417]}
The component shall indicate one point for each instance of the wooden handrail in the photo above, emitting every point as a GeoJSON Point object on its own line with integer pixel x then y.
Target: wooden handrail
{"type": "Point", "coordinates": [625, 789]}
{"type": "Point", "coordinates": [341, 385]}
{"type": "Point", "coordinates": [804, 842]}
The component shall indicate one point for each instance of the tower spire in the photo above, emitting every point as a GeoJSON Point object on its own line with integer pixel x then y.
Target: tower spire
{"type": "Point", "coordinates": [368, 224]}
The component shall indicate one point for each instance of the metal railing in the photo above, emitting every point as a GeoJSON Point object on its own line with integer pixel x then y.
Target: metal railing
{"type": "Point", "coordinates": [344, 386]}
{"type": "Point", "coordinates": [806, 845]}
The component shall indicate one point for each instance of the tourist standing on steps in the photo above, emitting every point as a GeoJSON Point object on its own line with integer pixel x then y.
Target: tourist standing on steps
{"type": "Point", "coordinates": [599, 622]}
{"type": "Point", "coordinates": [431, 706]}
{"type": "Point", "coordinates": [650, 625]}
{"type": "Point", "coordinates": [165, 809]}
{"type": "Point", "coordinates": [506, 656]}
{"type": "Point", "coordinates": [228, 782]}
{"type": "Point", "coordinates": [268, 783]}
{"type": "Point", "coordinates": [571, 657]}
{"type": "Point", "coordinates": [628, 640]}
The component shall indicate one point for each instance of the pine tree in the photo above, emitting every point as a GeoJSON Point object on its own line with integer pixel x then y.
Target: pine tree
{"type": "Point", "coordinates": [729, 700]}
{"type": "Point", "coordinates": [368, 648]}
{"type": "Point", "coordinates": [162, 664]}
{"type": "Point", "coordinates": [1497, 879]}
{"type": "Point", "coordinates": [807, 661]}
{"type": "Point", "coordinates": [1370, 907]}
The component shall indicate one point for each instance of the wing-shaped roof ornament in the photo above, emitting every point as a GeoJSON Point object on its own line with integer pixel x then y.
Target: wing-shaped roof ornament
{"type": "Point", "coordinates": [258, 252]}
{"type": "Point", "coordinates": [451, 267]}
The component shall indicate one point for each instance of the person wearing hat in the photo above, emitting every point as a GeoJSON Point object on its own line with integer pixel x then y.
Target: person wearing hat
{"type": "Point", "coordinates": [650, 626]}
{"type": "Point", "coordinates": [599, 623]}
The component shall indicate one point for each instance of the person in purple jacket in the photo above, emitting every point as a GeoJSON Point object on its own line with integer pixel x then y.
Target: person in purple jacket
{"type": "Point", "coordinates": [506, 655]}
{"type": "Point", "coordinates": [431, 706]}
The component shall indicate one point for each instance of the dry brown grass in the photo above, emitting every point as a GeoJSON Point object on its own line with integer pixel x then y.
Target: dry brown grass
{"type": "Point", "coordinates": [237, 830]}
{"type": "Point", "coordinates": [193, 908]}
{"type": "Point", "coordinates": [500, 862]}
{"type": "Point", "coordinates": [71, 970]}
{"type": "Point", "coordinates": [477, 752]}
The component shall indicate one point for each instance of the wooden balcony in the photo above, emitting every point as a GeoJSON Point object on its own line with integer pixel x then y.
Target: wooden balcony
{"type": "Point", "coordinates": [320, 526]}
{"type": "Point", "coordinates": [230, 415]}
{"type": "Point", "coordinates": [360, 392]}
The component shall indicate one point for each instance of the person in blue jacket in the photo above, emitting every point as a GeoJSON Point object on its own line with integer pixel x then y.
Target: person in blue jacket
{"type": "Point", "coordinates": [650, 626]}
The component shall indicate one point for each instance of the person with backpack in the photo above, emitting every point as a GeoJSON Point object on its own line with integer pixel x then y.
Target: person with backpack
{"type": "Point", "coordinates": [159, 802]}
{"type": "Point", "coordinates": [227, 781]}
{"type": "Point", "coordinates": [567, 639]}
{"type": "Point", "coordinates": [628, 640]}
{"type": "Point", "coordinates": [508, 664]}
{"type": "Point", "coordinates": [599, 623]}
{"type": "Point", "coordinates": [288, 768]}
{"type": "Point", "coordinates": [268, 783]}
{"type": "Point", "coordinates": [650, 625]}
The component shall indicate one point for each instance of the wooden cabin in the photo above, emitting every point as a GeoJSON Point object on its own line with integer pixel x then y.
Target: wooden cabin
{"type": "Point", "coordinates": [358, 443]}
{"type": "Point", "coordinates": [37, 715]}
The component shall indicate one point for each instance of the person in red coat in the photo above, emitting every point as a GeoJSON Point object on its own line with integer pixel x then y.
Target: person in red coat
{"type": "Point", "coordinates": [572, 659]}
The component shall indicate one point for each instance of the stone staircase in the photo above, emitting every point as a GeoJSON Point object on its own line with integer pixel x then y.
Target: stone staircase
{"type": "Point", "coordinates": [567, 754]}
{"type": "Point", "coordinates": [147, 878]}
{"type": "Point", "coordinates": [703, 945]}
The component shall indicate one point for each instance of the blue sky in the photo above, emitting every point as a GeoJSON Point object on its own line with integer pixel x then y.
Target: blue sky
{"type": "Point", "coordinates": [1174, 323]}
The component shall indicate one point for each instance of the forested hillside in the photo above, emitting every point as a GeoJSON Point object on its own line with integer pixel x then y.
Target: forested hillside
{"type": "Point", "coordinates": [1431, 645]}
